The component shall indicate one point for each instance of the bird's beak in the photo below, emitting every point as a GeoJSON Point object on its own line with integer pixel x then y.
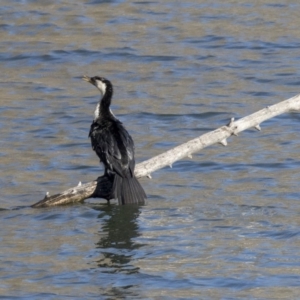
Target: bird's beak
{"type": "Point", "coordinates": [86, 78]}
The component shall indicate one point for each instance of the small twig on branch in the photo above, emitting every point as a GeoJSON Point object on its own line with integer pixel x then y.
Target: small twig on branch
{"type": "Point", "coordinates": [101, 187]}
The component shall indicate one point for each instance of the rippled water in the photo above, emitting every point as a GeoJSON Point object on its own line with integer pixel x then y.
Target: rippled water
{"type": "Point", "coordinates": [224, 225]}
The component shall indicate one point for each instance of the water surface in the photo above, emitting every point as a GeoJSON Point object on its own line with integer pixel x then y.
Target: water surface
{"type": "Point", "coordinates": [224, 225]}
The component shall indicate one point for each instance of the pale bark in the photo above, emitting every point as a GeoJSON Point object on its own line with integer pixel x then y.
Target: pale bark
{"type": "Point", "coordinates": [220, 135]}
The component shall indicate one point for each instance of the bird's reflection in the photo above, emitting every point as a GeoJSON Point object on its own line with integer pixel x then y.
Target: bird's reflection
{"type": "Point", "coordinates": [119, 229]}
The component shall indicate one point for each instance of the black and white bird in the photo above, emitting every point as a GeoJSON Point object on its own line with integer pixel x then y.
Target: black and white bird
{"type": "Point", "coordinates": [114, 146]}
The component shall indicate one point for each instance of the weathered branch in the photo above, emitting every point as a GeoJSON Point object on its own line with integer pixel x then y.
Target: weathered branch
{"type": "Point", "coordinates": [102, 186]}
{"type": "Point", "coordinates": [97, 188]}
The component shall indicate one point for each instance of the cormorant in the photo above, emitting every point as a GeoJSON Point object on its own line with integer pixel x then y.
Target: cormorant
{"type": "Point", "coordinates": [114, 146]}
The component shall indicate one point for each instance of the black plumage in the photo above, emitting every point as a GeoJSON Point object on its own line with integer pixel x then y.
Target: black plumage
{"type": "Point", "coordinates": [114, 146]}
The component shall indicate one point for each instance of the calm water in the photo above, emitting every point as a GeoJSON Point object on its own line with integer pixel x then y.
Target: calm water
{"type": "Point", "coordinates": [224, 225]}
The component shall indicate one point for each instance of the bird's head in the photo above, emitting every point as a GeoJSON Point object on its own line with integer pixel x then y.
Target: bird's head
{"type": "Point", "coordinates": [101, 83]}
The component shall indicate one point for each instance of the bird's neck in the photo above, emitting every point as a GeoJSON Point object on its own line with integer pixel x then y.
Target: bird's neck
{"type": "Point", "coordinates": [103, 107]}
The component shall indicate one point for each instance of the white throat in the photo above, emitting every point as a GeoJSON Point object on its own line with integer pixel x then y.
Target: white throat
{"type": "Point", "coordinates": [101, 87]}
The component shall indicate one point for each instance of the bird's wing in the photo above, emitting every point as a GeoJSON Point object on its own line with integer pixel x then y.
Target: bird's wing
{"type": "Point", "coordinates": [114, 146]}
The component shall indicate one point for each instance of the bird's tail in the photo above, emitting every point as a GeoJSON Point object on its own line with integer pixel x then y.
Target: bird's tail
{"type": "Point", "coordinates": [128, 190]}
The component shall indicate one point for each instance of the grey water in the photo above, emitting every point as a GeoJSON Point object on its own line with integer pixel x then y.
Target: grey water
{"type": "Point", "coordinates": [223, 225]}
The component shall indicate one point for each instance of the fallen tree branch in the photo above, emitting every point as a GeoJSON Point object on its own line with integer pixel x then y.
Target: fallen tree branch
{"type": "Point", "coordinates": [101, 187]}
